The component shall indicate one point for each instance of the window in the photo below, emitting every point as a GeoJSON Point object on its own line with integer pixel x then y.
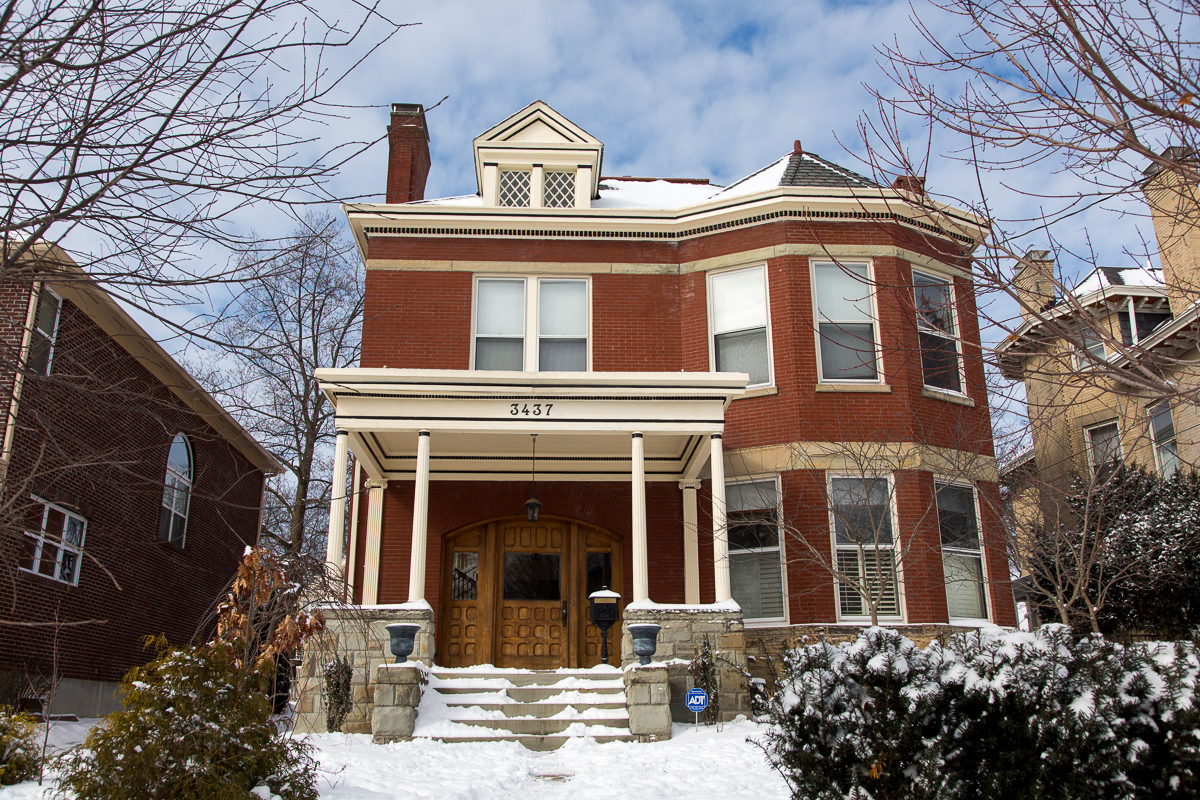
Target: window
{"type": "Point", "coordinates": [542, 323]}
{"type": "Point", "coordinates": [1093, 344]}
{"type": "Point", "coordinates": [934, 302]}
{"type": "Point", "coordinates": [45, 331]}
{"type": "Point", "coordinates": [962, 558]}
{"type": "Point", "coordinates": [755, 569]}
{"type": "Point", "coordinates": [862, 525]}
{"type": "Point", "coordinates": [514, 188]}
{"type": "Point", "coordinates": [177, 492]}
{"type": "Point", "coordinates": [559, 191]}
{"type": "Point", "coordinates": [1162, 431]}
{"type": "Point", "coordinates": [53, 542]}
{"type": "Point", "coordinates": [739, 323]}
{"type": "Point", "coordinates": [845, 323]}
{"type": "Point", "coordinates": [1104, 448]}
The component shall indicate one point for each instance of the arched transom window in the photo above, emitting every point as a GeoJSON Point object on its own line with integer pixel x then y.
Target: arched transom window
{"type": "Point", "coordinates": [177, 492]}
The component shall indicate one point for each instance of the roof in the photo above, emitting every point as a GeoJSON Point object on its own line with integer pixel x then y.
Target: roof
{"type": "Point", "coordinates": [1111, 277]}
{"type": "Point", "coordinates": [87, 295]}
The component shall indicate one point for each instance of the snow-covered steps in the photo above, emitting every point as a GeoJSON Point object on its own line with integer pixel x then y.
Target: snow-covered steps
{"type": "Point", "coordinates": [539, 709]}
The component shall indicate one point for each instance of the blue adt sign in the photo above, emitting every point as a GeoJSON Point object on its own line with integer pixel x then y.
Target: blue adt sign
{"type": "Point", "coordinates": [696, 700]}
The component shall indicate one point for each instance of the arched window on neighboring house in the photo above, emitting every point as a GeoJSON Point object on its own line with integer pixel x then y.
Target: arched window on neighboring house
{"type": "Point", "coordinates": [177, 492]}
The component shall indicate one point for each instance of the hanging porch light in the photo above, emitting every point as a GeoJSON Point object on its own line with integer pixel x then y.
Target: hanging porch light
{"type": "Point", "coordinates": [533, 505]}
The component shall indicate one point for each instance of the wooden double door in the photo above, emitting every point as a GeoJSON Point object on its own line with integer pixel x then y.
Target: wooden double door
{"type": "Point", "coordinates": [514, 593]}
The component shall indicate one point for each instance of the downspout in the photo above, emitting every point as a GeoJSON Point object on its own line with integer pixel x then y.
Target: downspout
{"type": "Point", "coordinates": [10, 428]}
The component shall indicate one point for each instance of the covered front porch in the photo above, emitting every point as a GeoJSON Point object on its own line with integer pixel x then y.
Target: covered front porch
{"type": "Point", "coordinates": [517, 579]}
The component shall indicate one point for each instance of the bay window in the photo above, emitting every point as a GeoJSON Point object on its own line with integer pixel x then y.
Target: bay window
{"type": "Point", "coordinates": [936, 331]}
{"type": "Point", "coordinates": [738, 310]}
{"type": "Point", "coordinates": [848, 350]}
{"type": "Point", "coordinates": [962, 557]}
{"type": "Point", "coordinates": [864, 545]}
{"type": "Point", "coordinates": [531, 324]}
{"type": "Point", "coordinates": [755, 568]}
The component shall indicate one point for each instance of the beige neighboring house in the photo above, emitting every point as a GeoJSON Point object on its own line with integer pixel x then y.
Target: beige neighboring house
{"type": "Point", "coordinates": [1111, 368]}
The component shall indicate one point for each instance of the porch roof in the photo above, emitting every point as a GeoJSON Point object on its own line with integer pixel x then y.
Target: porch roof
{"type": "Point", "coordinates": [481, 422]}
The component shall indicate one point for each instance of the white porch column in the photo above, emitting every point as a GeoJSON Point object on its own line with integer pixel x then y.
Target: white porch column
{"type": "Point", "coordinates": [720, 527]}
{"type": "Point", "coordinates": [420, 524]}
{"type": "Point", "coordinates": [691, 543]}
{"type": "Point", "coordinates": [356, 486]}
{"type": "Point", "coordinates": [337, 507]}
{"type": "Point", "coordinates": [641, 561]}
{"type": "Point", "coordinates": [370, 589]}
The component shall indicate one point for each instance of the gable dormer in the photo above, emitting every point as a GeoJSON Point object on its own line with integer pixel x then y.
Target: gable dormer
{"type": "Point", "coordinates": [537, 158]}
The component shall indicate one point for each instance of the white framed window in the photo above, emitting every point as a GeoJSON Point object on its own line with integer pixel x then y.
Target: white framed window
{"type": "Point", "coordinates": [514, 188]}
{"type": "Point", "coordinates": [847, 336]}
{"type": "Point", "coordinates": [558, 189]}
{"type": "Point", "coordinates": [740, 323]}
{"type": "Point", "coordinates": [937, 331]}
{"type": "Point", "coordinates": [1093, 344]}
{"type": "Point", "coordinates": [52, 543]}
{"type": "Point", "coordinates": [1103, 448]}
{"type": "Point", "coordinates": [860, 509]}
{"type": "Point", "coordinates": [45, 332]}
{"type": "Point", "coordinates": [755, 562]}
{"type": "Point", "coordinates": [177, 492]}
{"type": "Point", "coordinates": [536, 324]}
{"type": "Point", "coordinates": [1162, 431]}
{"type": "Point", "coordinates": [962, 554]}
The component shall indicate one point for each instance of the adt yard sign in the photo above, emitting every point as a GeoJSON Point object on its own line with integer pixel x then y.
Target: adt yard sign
{"type": "Point", "coordinates": [696, 700]}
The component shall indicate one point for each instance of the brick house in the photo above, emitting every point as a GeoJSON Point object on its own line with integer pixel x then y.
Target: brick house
{"type": "Point", "coordinates": [129, 493]}
{"type": "Point", "coordinates": [708, 391]}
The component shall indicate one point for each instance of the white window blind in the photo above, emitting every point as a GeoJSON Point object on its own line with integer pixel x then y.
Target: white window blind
{"type": "Point", "coordinates": [739, 317]}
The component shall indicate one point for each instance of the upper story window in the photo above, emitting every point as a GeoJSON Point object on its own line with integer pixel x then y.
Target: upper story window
{"type": "Point", "coordinates": [1093, 345]}
{"type": "Point", "coordinates": [846, 330]}
{"type": "Point", "coordinates": [861, 511]}
{"type": "Point", "coordinates": [535, 324]}
{"type": "Point", "coordinates": [177, 492]}
{"type": "Point", "coordinates": [514, 188]}
{"type": "Point", "coordinates": [1104, 448]}
{"type": "Point", "coordinates": [52, 544]}
{"type": "Point", "coordinates": [1162, 431]}
{"type": "Point", "coordinates": [755, 568]}
{"type": "Point", "coordinates": [738, 310]}
{"type": "Point", "coordinates": [941, 363]}
{"type": "Point", "coordinates": [962, 556]}
{"type": "Point", "coordinates": [45, 332]}
{"type": "Point", "coordinates": [559, 189]}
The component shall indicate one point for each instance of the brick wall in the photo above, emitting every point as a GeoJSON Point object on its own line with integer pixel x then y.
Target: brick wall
{"type": "Point", "coordinates": [94, 436]}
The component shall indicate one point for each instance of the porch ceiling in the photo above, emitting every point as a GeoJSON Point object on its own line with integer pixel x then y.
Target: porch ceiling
{"type": "Point", "coordinates": [480, 422]}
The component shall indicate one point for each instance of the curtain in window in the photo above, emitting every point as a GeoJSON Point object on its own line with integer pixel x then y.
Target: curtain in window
{"type": "Point", "coordinates": [563, 326]}
{"type": "Point", "coordinates": [739, 305]}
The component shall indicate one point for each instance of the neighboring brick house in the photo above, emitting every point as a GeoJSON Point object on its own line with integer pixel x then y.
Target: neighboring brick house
{"type": "Point", "coordinates": [129, 493]}
{"type": "Point", "coordinates": [1110, 368]}
{"type": "Point", "coordinates": [695, 400]}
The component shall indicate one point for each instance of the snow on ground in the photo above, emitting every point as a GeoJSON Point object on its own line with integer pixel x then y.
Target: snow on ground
{"type": "Point", "coordinates": [699, 764]}
{"type": "Point", "coordinates": [703, 763]}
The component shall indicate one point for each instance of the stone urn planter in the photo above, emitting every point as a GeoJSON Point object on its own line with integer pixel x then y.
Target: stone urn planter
{"type": "Point", "coordinates": [404, 638]}
{"type": "Point", "coordinates": [645, 640]}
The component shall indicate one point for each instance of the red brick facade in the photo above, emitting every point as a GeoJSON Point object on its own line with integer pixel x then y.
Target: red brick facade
{"type": "Point", "coordinates": [93, 437]}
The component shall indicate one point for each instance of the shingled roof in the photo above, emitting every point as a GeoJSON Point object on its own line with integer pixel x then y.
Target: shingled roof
{"type": "Point", "coordinates": [808, 169]}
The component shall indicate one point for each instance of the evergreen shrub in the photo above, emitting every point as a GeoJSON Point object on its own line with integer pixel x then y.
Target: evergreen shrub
{"type": "Point", "coordinates": [19, 749]}
{"type": "Point", "coordinates": [1043, 715]}
{"type": "Point", "coordinates": [339, 698]}
{"type": "Point", "coordinates": [195, 725]}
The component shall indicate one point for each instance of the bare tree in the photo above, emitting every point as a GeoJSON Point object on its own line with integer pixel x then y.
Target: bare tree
{"type": "Point", "coordinates": [303, 312]}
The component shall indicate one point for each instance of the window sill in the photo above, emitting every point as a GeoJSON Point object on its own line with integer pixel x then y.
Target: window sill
{"type": "Point", "coordinates": [761, 391]}
{"type": "Point", "coordinates": [170, 545]}
{"type": "Point", "coordinates": [50, 578]}
{"type": "Point", "coordinates": [882, 388]}
{"type": "Point", "coordinates": [866, 621]}
{"type": "Point", "coordinates": [777, 622]}
{"type": "Point", "coordinates": [968, 622]}
{"type": "Point", "coordinates": [950, 397]}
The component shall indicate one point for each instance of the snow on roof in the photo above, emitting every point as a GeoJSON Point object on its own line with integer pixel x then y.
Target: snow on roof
{"type": "Point", "coordinates": [764, 180]}
{"type": "Point", "coordinates": [618, 193]}
{"type": "Point", "coordinates": [1105, 277]}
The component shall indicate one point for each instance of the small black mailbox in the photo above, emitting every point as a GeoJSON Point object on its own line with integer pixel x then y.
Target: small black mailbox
{"type": "Point", "coordinates": [604, 611]}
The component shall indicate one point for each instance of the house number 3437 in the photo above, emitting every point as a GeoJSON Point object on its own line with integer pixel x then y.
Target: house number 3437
{"type": "Point", "coordinates": [530, 409]}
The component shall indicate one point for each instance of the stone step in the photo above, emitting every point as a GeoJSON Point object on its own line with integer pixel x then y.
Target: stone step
{"type": "Point", "coordinates": [543, 727]}
{"type": "Point", "coordinates": [539, 709]}
{"type": "Point", "coordinates": [538, 743]}
{"type": "Point", "coordinates": [531, 678]}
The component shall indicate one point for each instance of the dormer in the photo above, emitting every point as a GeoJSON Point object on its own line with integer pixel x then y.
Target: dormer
{"type": "Point", "coordinates": [537, 158]}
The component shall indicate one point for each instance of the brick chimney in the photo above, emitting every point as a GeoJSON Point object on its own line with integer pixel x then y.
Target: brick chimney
{"type": "Point", "coordinates": [1035, 283]}
{"type": "Point", "coordinates": [408, 153]}
{"type": "Point", "coordinates": [1175, 209]}
{"type": "Point", "coordinates": [911, 184]}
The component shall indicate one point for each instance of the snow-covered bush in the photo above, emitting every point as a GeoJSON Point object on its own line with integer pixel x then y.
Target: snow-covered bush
{"type": "Point", "coordinates": [196, 725]}
{"type": "Point", "coordinates": [993, 714]}
{"type": "Point", "coordinates": [19, 750]}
